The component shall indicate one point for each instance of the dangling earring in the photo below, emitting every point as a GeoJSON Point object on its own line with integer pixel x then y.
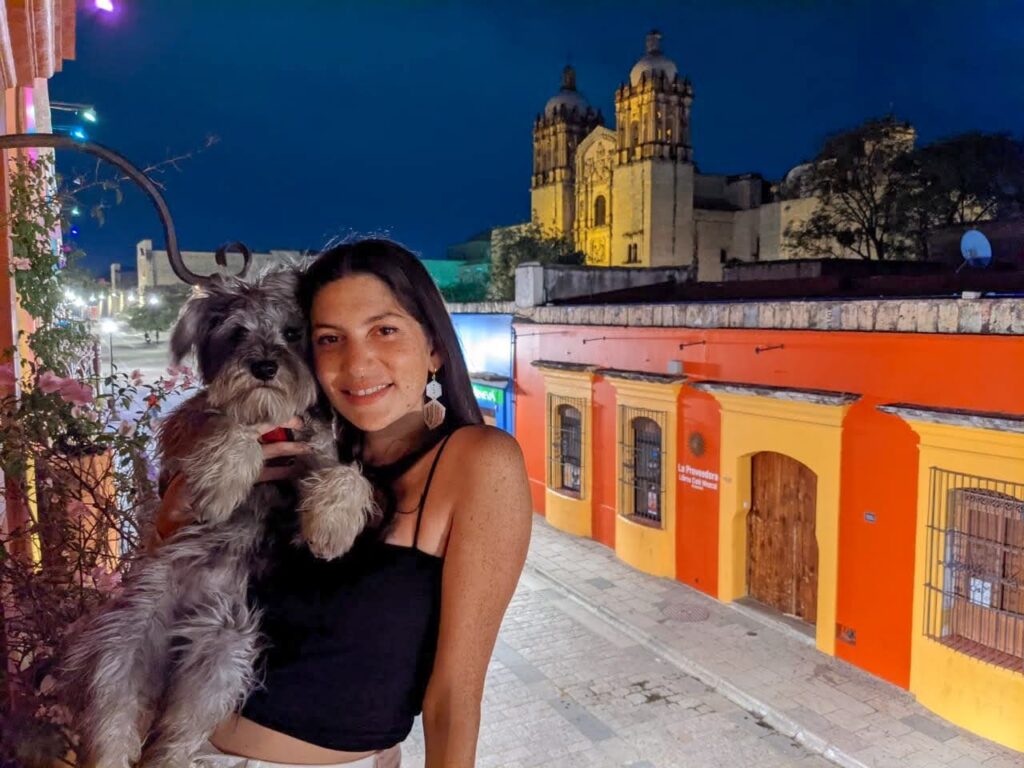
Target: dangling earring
{"type": "Point", "coordinates": [433, 411]}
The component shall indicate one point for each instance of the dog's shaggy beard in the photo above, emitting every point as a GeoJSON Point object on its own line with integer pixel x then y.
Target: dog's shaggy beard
{"type": "Point", "coordinates": [247, 400]}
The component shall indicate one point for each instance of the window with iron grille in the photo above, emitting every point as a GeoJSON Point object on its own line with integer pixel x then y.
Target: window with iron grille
{"type": "Point", "coordinates": [641, 480]}
{"type": "Point", "coordinates": [565, 444]}
{"type": "Point", "coordinates": [975, 559]}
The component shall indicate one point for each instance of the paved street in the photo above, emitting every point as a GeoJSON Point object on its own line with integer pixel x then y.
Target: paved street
{"type": "Point", "coordinates": [567, 689]}
{"type": "Point", "coordinates": [599, 664]}
{"type": "Point", "coordinates": [131, 351]}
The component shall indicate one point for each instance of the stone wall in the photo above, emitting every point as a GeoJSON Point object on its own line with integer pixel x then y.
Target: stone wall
{"type": "Point", "coordinates": [538, 284]}
{"type": "Point", "coordinates": [967, 316]}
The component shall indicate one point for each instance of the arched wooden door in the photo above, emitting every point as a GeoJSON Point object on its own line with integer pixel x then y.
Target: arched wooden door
{"type": "Point", "coordinates": [782, 551]}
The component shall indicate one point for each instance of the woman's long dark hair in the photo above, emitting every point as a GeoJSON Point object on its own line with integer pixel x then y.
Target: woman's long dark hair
{"type": "Point", "coordinates": [416, 292]}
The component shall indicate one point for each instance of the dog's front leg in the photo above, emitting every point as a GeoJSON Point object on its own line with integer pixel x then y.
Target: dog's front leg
{"type": "Point", "coordinates": [222, 468]}
{"type": "Point", "coordinates": [335, 500]}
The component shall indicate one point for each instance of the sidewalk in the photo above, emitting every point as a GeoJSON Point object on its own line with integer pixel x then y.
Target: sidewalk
{"type": "Point", "coordinates": [848, 716]}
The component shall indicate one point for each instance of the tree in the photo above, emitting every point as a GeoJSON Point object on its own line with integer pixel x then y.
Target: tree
{"type": "Point", "coordinates": [158, 312]}
{"type": "Point", "coordinates": [860, 188]}
{"type": "Point", "coordinates": [963, 180]}
{"type": "Point", "coordinates": [471, 286]}
{"type": "Point", "coordinates": [512, 246]}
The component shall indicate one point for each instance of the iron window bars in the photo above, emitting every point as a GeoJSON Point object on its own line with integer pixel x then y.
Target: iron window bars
{"type": "Point", "coordinates": [641, 480]}
{"type": "Point", "coordinates": [974, 584]}
{"type": "Point", "coordinates": [565, 444]}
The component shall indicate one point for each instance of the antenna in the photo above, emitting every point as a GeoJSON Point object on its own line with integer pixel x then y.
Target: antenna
{"type": "Point", "coordinates": [976, 250]}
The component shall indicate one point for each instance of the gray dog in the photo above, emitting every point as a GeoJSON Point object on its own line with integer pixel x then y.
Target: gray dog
{"type": "Point", "coordinates": [174, 653]}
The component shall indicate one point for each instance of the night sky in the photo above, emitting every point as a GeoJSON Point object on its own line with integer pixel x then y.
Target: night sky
{"type": "Point", "coordinates": [414, 119]}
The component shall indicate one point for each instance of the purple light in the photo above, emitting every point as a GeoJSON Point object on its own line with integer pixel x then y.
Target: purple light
{"type": "Point", "coordinates": [105, 5]}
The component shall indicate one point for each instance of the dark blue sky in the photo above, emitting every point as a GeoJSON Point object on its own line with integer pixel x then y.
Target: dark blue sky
{"type": "Point", "coordinates": [415, 118]}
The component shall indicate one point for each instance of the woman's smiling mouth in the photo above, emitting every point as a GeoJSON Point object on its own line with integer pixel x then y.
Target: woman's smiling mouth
{"type": "Point", "coordinates": [366, 395]}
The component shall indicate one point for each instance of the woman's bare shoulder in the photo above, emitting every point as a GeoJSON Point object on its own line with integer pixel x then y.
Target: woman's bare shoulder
{"type": "Point", "coordinates": [487, 470]}
{"type": "Point", "coordinates": [482, 447]}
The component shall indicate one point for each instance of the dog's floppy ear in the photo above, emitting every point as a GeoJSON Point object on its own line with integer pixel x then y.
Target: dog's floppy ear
{"type": "Point", "coordinates": [200, 311]}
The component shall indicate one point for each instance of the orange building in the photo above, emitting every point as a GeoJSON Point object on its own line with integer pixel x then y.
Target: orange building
{"type": "Point", "coordinates": [855, 468]}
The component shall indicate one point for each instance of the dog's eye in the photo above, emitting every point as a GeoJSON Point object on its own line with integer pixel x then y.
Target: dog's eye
{"type": "Point", "coordinates": [238, 335]}
{"type": "Point", "coordinates": [292, 334]}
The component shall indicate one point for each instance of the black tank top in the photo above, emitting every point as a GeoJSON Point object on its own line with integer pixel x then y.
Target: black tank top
{"type": "Point", "coordinates": [350, 642]}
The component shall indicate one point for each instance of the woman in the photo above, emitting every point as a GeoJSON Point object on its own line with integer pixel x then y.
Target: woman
{"type": "Point", "coordinates": [408, 619]}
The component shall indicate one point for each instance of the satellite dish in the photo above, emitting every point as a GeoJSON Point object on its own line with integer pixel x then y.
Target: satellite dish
{"type": "Point", "coordinates": [976, 249]}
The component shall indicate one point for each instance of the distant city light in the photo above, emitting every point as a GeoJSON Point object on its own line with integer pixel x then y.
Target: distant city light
{"type": "Point", "coordinates": [105, 5]}
{"type": "Point", "coordinates": [89, 115]}
{"type": "Point", "coordinates": [108, 326]}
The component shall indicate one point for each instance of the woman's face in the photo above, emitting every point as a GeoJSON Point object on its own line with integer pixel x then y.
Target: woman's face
{"type": "Point", "coordinates": [371, 356]}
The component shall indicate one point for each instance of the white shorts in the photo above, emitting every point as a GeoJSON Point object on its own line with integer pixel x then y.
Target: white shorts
{"type": "Point", "coordinates": [211, 757]}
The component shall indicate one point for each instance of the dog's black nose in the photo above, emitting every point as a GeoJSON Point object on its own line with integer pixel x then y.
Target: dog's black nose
{"type": "Point", "coordinates": [264, 370]}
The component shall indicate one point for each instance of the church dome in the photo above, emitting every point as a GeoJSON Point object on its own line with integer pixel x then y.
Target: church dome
{"type": "Point", "coordinates": [568, 97]}
{"type": "Point", "coordinates": [653, 62]}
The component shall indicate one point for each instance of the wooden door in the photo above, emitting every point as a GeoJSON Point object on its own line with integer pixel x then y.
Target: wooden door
{"type": "Point", "coordinates": [782, 551]}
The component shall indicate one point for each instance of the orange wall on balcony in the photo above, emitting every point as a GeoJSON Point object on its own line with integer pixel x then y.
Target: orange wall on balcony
{"type": "Point", "coordinates": [878, 498]}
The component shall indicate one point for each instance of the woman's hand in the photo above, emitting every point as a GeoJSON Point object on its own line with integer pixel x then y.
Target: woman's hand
{"type": "Point", "coordinates": [175, 505]}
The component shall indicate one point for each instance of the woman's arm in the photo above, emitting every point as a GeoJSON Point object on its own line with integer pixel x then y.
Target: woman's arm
{"type": "Point", "coordinates": [490, 533]}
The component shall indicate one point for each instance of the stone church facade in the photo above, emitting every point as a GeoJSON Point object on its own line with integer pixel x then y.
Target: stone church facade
{"type": "Point", "coordinates": [632, 195]}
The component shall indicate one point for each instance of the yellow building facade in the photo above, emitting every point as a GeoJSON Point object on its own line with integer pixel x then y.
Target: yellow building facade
{"type": "Point", "coordinates": [969, 571]}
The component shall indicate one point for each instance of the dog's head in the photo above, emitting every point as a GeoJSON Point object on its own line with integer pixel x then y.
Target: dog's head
{"type": "Point", "coordinates": [250, 342]}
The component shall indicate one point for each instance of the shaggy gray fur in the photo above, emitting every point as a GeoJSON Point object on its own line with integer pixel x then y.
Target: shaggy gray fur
{"type": "Point", "coordinates": [173, 654]}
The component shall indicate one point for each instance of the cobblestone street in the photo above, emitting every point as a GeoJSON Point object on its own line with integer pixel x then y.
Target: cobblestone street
{"type": "Point", "coordinates": [567, 689]}
{"type": "Point", "coordinates": [598, 664]}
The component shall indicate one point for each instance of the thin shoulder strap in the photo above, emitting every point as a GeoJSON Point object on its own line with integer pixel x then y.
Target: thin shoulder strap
{"type": "Point", "coordinates": [426, 488]}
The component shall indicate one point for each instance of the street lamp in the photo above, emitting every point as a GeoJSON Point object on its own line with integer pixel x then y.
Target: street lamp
{"type": "Point", "coordinates": [154, 300]}
{"type": "Point", "coordinates": [86, 111]}
{"type": "Point", "coordinates": [108, 327]}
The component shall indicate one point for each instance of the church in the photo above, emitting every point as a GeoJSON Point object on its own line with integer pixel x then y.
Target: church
{"type": "Point", "coordinates": [632, 196]}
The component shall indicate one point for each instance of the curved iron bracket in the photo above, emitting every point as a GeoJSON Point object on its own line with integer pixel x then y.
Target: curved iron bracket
{"type": "Point", "coordinates": [57, 141]}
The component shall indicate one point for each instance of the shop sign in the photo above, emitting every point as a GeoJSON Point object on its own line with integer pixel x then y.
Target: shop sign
{"type": "Point", "coordinates": [699, 479]}
{"type": "Point", "coordinates": [489, 394]}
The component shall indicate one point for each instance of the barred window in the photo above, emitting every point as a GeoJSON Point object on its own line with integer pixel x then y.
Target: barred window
{"type": "Point", "coordinates": [565, 444]}
{"type": "Point", "coordinates": [975, 559]}
{"type": "Point", "coordinates": [641, 479]}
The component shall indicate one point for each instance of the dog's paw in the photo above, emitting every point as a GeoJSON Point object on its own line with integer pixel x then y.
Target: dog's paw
{"type": "Point", "coordinates": [221, 471]}
{"type": "Point", "coordinates": [335, 506]}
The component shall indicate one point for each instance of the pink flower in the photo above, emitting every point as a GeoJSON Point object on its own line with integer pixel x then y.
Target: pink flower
{"type": "Point", "coordinates": [72, 391]}
{"type": "Point", "coordinates": [174, 370]}
{"type": "Point", "coordinates": [170, 384]}
{"type": "Point", "coordinates": [21, 263]}
{"type": "Point", "coordinates": [136, 376]}
{"type": "Point", "coordinates": [77, 393]}
{"type": "Point", "coordinates": [50, 382]}
{"type": "Point", "coordinates": [127, 428]}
